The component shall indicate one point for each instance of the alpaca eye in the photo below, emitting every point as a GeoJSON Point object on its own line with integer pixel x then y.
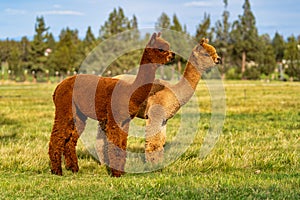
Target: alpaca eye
{"type": "Point", "coordinates": [161, 50]}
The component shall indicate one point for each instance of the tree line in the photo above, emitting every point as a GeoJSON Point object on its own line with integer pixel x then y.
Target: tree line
{"type": "Point", "coordinates": [245, 53]}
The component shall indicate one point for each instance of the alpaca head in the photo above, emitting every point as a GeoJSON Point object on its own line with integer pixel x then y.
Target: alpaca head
{"type": "Point", "coordinates": [204, 56]}
{"type": "Point", "coordinates": [158, 50]}
{"type": "Point", "coordinates": [210, 50]}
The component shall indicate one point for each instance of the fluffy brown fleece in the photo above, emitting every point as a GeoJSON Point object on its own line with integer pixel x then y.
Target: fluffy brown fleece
{"type": "Point", "coordinates": [111, 101]}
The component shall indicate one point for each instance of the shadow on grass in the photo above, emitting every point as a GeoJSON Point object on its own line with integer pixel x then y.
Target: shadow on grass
{"type": "Point", "coordinates": [4, 135]}
{"type": "Point", "coordinates": [7, 137]}
{"type": "Point", "coordinates": [86, 155]}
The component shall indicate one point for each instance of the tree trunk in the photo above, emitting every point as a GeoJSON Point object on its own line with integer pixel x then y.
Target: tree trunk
{"type": "Point", "coordinates": [243, 63]}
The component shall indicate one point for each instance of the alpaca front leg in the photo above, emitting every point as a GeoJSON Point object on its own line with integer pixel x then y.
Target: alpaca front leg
{"type": "Point", "coordinates": [117, 159]}
{"type": "Point", "coordinates": [116, 149]}
{"type": "Point", "coordinates": [155, 141]}
{"type": "Point", "coordinates": [101, 143]}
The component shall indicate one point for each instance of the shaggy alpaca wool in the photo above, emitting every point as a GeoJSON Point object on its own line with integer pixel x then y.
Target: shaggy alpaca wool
{"type": "Point", "coordinates": [111, 101]}
{"type": "Point", "coordinates": [166, 99]}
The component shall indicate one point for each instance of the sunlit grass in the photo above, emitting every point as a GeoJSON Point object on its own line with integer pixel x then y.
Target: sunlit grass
{"type": "Point", "coordinates": [256, 157]}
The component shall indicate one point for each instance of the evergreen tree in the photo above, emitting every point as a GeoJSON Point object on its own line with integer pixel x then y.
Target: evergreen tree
{"type": "Point", "coordinates": [222, 30]}
{"type": "Point", "coordinates": [89, 38]}
{"type": "Point", "coordinates": [116, 23]}
{"type": "Point", "coordinates": [14, 61]}
{"type": "Point", "coordinates": [203, 29]}
{"type": "Point", "coordinates": [278, 45]}
{"type": "Point", "coordinates": [292, 57]}
{"type": "Point", "coordinates": [89, 41]}
{"type": "Point", "coordinates": [4, 50]}
{"type": "Point", "coordinates": [87, 44]}
{"type": "Point", "coordinates": [134, 23]}
{"type": "Point", "coordinates": [163, 21]}
{"type": "Point", "coordinates": [38, 46]}
{"type": "Point", "coordinates": [50, 41]}
{"type": "Point", "coordinates": [266, 57]}
{"type": "Point", "coordinates": [25, 52]}
{"type": "Point", "coordinates": [176, 26]}
{"type": "Point", "coordinates": [244, 37]}
{"type": "Point", "coordinates": [65, 59]}
{"type": "Point", "coordinates": [134, 28]}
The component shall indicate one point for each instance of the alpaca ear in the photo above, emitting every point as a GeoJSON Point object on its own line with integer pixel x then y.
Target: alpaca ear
{"type": "Point", "coordinates": [159, 34]}
{"type": "Point", "coordinates": [152, 40]}
{"type": "Point", "coordinates": [202, 41]}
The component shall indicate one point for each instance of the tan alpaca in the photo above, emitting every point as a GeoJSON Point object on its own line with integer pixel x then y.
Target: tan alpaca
{"type": "Point", "coordinates": [166, 99]}
{"type": "Point", "coordinates": [111, 101]}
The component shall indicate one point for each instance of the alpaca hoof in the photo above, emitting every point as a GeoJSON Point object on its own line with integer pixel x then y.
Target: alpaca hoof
{"type": "Point", "coordinates": [74, 169]}
{"type": "Point", "coordinates": [155, 157]}
{"type": "Point", "coordinates": [56, 172]}
{"type": "Point", "coordinates": [116, 173]}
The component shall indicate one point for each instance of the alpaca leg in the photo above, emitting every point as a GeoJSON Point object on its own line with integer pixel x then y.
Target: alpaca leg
{"type": "Point", "coordinates": [59, 135]}
{"type": "Point", "coordinates": [56, 146]}
{"type": "Point", "coordinates": [70, 152]}
{"type": "Point", "coordinates": [116, 147]}
{"type": "Point", "coordinates": [155, 140]}
{"type": "Point", "coordinates": [101, 143]}
{"type": "Point", "coordinates": [70, 146]}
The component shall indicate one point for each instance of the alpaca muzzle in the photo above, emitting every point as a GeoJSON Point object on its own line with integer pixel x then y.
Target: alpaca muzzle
{"type": "Point", "coordinates": [172, 56]}
{"type": "Point", "coordinates": [218, 60]}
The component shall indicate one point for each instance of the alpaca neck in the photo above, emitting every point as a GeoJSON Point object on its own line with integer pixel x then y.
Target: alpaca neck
{"type": "Point", "coordinates": [143, 82]}
{"type": "Point", "coordinates": [191, 75]}
{"type": "Point", "coordinates": [187, 85]}
{"type": "Point", "coordinates": [146, 73]}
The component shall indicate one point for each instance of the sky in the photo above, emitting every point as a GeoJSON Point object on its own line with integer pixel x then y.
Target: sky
{"type": "Point", "coordinates": [18, 17]}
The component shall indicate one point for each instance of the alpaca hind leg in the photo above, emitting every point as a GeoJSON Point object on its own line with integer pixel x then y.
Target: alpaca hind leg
{"type": "Point", "coordinates": [57, 142]}
{"type": "Point", "coordinates": [70, 152]}
{"type": "Point", "coordinates": [70, 146]}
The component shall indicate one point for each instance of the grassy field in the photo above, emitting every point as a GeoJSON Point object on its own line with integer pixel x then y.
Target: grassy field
{"type": "Point", "coordinates": [256, 157]}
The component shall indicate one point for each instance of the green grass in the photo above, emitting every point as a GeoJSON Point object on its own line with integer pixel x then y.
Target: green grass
{"type": "Point", "coordinates": [256, 157]}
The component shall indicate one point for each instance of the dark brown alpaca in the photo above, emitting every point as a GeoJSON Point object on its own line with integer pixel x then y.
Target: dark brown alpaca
{"type": "Point", "coordinates": [111, 101]}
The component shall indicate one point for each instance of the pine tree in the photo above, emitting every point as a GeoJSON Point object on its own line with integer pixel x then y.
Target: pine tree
{"type": "Point", "coordinates": [116, 23]}
{"type": "Point", "coordinates": [50, 41]}
{"type": "Point", "coordinates": [89, 41]}
{"type": "Point", "coordinates": [25, 52]}
{"type": "Point", "coordinates": [292, 57]}
{"type": "Point", "coordinates": [163, 21]}
{"type": "Point", "coordinates": [14, 61]}
{"type": "Point", "coordinates": [244, 37]}
{"type": "Point", "coordinates": [65, 59]}
{"type": "Point", "coordinates": [135, 34]}
{"type": "Point", "coordinates": [222, 30]}
{"type": "Point", "coordinates": [266, 59]}
{"type": "Point", "coordinates": [38, 46]}
{"type": "Point", "coordinates": [203, 29]}
{"type": "Point", "coordinates": [176, 26]}
{"type": "Point", "coordinates": [4, 50]}
{"type": "Point", "coordinates": [278, 45]}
